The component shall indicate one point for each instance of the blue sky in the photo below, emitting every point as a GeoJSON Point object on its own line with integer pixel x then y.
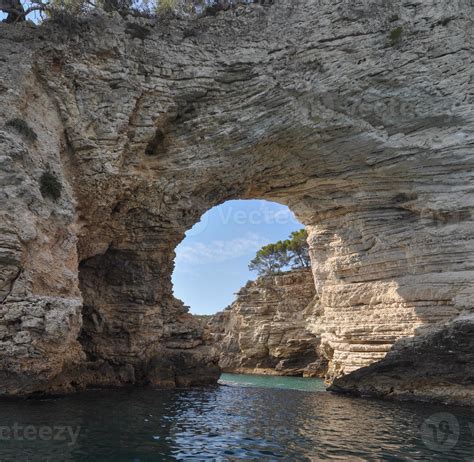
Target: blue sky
{"type": "Point", "coordinates": [35, 16]}
{"type": "Point", "coordinates": [212, 261]}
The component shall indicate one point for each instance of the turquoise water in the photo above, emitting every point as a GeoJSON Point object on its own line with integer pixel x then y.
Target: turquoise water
{"type": "Point", "coordinates": [244, 418]}
{"type": "Point", "coordinates": [268, 381]}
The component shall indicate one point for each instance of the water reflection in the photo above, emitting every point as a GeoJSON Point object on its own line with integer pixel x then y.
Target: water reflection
{"type": "Point", "coordinates": [232, 423]}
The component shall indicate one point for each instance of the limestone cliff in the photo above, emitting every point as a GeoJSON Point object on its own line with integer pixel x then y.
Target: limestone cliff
{"type": "Point", "coordinates": [357, 115]}
{"type": "Point", "coordinates": [435, 365]}
{"type": "Point", "coordinates": [265, 330]}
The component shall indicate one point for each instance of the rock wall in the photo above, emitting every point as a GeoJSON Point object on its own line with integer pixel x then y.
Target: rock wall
{"type": "Point", "coordinates": [264, 331]}
{"type": "Point", "coordinates": [357, 115]}
{"type": "Point", "coordinates": [435, 365]}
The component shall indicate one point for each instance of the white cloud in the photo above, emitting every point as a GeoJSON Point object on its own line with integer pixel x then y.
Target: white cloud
{"type": "Point", "coordinates": [218, 251]}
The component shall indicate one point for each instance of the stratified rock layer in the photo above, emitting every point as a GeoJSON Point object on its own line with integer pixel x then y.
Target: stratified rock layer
{"type": "Point", "coordinates": [432, 366]}
{"type": "Point", "coordinates": [357, 115]}
{"type": "Point", "coordinates": [265, 330]}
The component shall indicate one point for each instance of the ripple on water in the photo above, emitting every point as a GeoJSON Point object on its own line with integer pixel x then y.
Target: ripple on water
{"type": "Point", "coordinates": [252, 422]}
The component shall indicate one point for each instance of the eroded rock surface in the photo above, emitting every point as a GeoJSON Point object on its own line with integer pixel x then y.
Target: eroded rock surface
{"type": "Point", "coordinates": [432, 366]}
{"type": "Point", "coordinates": [357, 115]}
{"type": "Point", "coordinates": [264, 331]}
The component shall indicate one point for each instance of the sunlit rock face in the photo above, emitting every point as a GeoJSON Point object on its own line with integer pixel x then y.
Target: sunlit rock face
{"type": "Point", "coordinates": [265, 330]}
{"type": "Point", "coordinates": [434, 365]}
{"type": "Point", "coordinates": [357, 115]}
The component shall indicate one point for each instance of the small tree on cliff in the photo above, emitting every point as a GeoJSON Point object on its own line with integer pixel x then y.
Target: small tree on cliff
{"type": "Point", "coordinates": [13, 9]}
{"type": "Point", "coordinates": [19, 10]}
{"type": "Point", "coordinates": [274, 258]}
{"type": "Point", "coordinates": [270, 259]}
{"type": "Point", "coordinates": [298, 249]}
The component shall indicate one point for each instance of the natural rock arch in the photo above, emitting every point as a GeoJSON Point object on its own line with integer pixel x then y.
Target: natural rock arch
{"type": "Point", "coordinates": [366, 137]}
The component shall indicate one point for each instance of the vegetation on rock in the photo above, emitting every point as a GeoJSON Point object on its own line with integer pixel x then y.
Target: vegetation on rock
{"type": "Point", "coordinates": [274, 258]}
{"type": "Point", "coordinates": [50, 186]}
{"type": "Point", "coordinates": [18, 10]}
{"type": "Point", "coordinates": [395, 35]}
{"type": "Point", "coordinates": [23, 128]}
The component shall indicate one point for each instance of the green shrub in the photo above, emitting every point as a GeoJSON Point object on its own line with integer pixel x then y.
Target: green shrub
{"type": "Point", "coordinates": [189, 32]}
{"type": "Point", "coordinates": [137, 31]}
{"type": "Point", "coordinates": [23, 128]}
{"type": "Point", "coordinates": [212, 10]}
{"type": "Point", "coordinates": [50, 186]}
{"type": "Point", "coordinates": [396, 35]}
